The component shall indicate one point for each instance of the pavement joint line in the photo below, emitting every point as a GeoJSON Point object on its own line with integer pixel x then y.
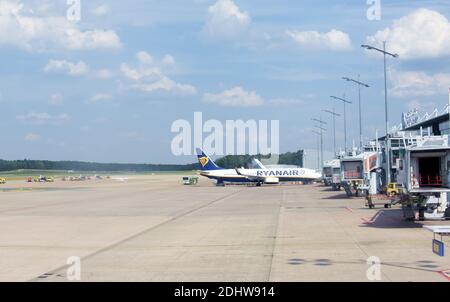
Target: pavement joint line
{"type": "Point", "coordinates": [272, 256]}
{"type": "Point", "coordinates": [54, 271]}
{"type": "Point", "coordinates": [349, 209]}
{"type": "Point", "coordinates": [445, 274]}
{"type": "Point", "coordinates": [364, 219]}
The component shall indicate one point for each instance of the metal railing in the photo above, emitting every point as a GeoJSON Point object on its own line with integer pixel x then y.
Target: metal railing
{"type": "Point", "coordinates": [425, 117]}
{"type": "Point", "coordinates": [352, 175]}
{"type": "Point", "coordinates": [430, 181]}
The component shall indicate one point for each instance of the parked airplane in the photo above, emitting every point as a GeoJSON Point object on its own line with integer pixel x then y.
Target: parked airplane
{"type": "Point", "coordinates": [260, 176]}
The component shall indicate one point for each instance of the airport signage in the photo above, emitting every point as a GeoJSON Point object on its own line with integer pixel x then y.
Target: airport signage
{"type": "Point", "coordinates": [438, 248]}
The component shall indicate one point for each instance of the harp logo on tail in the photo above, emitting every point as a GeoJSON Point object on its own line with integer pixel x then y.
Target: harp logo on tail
{"type": "Point", "coordinates": [203, 161]}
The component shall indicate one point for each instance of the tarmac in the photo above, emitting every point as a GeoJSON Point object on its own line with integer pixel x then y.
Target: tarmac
{"type": "Point", "coordinates": [152, 228]}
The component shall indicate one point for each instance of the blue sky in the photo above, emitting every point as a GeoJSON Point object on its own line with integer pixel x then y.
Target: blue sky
{"type": "Point", "coordinates": [108, 87]}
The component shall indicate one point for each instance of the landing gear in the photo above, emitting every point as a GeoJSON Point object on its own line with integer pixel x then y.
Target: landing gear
{"type": "Point", "coordinates": [220, 184]}
{"type": "Point", "coordinates": [370, 202]}
{"type": "Point", "coordinates": [258, 184]}
{"type": "Point", "coordinates": [422, 214]}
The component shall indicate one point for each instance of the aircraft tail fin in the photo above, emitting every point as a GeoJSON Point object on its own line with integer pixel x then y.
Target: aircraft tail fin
{"type": "Point", "coordinates": [206, 163]}
{"type": "Point", "coordinates": [258, 163]}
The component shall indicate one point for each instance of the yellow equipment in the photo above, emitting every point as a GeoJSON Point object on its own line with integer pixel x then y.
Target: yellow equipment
{"type": "Point", "coordinates": [394, 189]}
{"type": "Point", "coordinates": [2, 180]}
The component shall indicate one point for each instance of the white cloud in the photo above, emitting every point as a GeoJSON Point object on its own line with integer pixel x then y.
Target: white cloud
{"type": "Point", "coordinates": [422, 34]}
{"type": "Point", "coordinates": [21, 27]}
{"type": "Point", "coordinates": [141, 72]}
{"type": "Point", "coordinates": [234, 97]}
{"type": "Point", "coordinates": [103, 74]}
{"type": "Point", "coordinates": [168, 60]}
{"type": "Point", "coordinates": [418, 83]}
{"type": "Point", "coordinates": [334, 39]}
{"type": "Point", "coordinates": [166, 84]}
{"type": "Point", "coordinates": [32, 137]}
{"type": "Point", "coordinates": [66, 67]}
{"type": "Point", "coordinates": [100, 97]}
{"type": "Point", "coordinates": [225, 19]}
{"type": "Point", "coordinates": [101, 10]}
{"type": "Point", "coordinates": [149, 78]}
{"type": "Point", "coordinates": [56, 99]}
{"type": "Point", "coordinates": [77, 69]}
{"type": "Point", "coordinates": [44, 118]}
{"type": "Point", "coordinates": [144, 57]}
{"type": "Point", "coordinates": [95, 39]}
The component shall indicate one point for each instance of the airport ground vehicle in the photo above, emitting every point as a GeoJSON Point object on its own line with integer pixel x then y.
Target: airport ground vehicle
{"type": "Point", "coordinates": [336, 178]}
{"type": "Point", "coordinates": [42, 179]}
{"type": "Point", "coordinates": [190, 180]}
{"type": "Point", "coordinates": [326, 175]}
{"type": "Point", "coordinates": [2, 180]}
{"type": "Point", "coordinates": [424, 171]}
{"type": "Point", "coordinates": [328, 171]}
{"type": "Point", "coordinates": [394, 189]}
{"type": "Point", "coordinates": [358, 172]}
{"type": "Point", "coordinates": [39, 179]}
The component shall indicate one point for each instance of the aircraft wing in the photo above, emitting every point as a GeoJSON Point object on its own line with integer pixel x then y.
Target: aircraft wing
{"type": "Point", "coordinates": [241, 172]}
{"type": "Point", "coordinates": [265, 179]}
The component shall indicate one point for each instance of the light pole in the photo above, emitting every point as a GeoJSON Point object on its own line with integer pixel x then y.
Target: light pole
{"type": "Point", "coordinates": [318, 149]}
{"type": "Point", "coordinates": [388, 155]}
{"type": "Point", "coordinates": [334, 114]}
{"type": "Point", "coordinates": [345, 118]}
{"type": "Point", "coordinates": [359, 83]}
{"type": "Point", "coordinates": [321, 123]}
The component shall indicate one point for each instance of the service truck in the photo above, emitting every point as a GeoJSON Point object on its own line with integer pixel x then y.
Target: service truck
{"type": "Point", "coordinates": [424, 173]}
{"type": "Point", "coordinates": [328, 171]}
{"type": "Point", "coordinates": [357, 171]}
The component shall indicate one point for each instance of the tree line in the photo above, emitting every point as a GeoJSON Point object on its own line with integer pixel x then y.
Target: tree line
{"type": "Point", "coordinates": [12, 165]}
{"type": "Point", "coordinates": [236, 161]}
{"type": "Point", "coordinates": [228, 162]}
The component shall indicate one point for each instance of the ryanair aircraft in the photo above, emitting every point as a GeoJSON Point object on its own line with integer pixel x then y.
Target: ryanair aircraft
{"type": "Point", "coordinates": [260, 176]}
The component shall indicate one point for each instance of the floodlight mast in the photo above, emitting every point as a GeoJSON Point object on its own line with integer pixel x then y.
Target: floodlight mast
{"type": "Point", "coordinates": [334, 114]}
{"type": "Point", "coordinates": [321, 137]}
{"type": "Point", "coordinates": [359, 83]}
{"type": "Point", "coordinates": [345, 118]}
{"type": "Point", "coordinates": [394, 55]}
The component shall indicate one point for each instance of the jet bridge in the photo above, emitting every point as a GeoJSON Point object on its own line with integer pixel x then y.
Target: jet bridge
{"type": "Point", "coordinates": [425, 173]}
{"type": "Point", "coordinates": [356, 172]}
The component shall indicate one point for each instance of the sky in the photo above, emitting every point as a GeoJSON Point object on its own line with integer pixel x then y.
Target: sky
{"type": "Point", "coordinates": [106, 82]}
